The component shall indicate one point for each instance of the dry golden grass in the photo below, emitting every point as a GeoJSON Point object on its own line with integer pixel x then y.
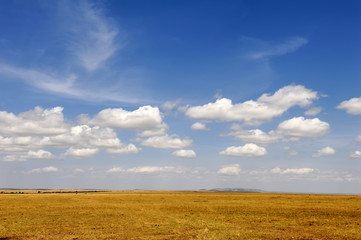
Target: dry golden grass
{"type": "Point", "coordinates": [179, 215]}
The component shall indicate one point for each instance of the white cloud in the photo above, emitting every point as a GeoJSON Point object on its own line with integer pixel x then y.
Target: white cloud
{"type": "Point", "coordinates": [292, 45]}
{"type": "Point", "coordinates": [289, 130]}
{"type": "Point", "coordinates": [14, 158]}
{"type": "Point", "coordinates": [313, 111]}
{"type": "Point", "coordinates": [255, 112]}
{"type": "Point", "coordinates": [144, 169]}
{"type": "Point", "coordinates": [326, 151]}
{"type": "Point", "coordinates": [230, 170]}
{"type": "Point", "coordinates": [78, 170]}
{"type": "Point", "coordinates": [170, 105]}
{"type": "Point", "coordinates": [27, 133]}
{"type": "Point", "coordinates": [22, 156]}
{"type": "Point", "coordinates": [300, 127]}
{"type": "Point", "coordinates": [151, 169]}
{"type": "Point", "coordinates": [167, 142]}
{"type": "Point", "coordinates": [115, 170]}
{"type": "Point", "coordinates": [94, 38]}
{"type": "Point", "coordinates": [352, 106]}
{"type": "Point", "coordinates": [254, 135]}
{"type": "Point", "coordinates": [293, 153]}
{"type": "Point", "coordinates": [155, 132]}
{"type": "Point", "coordinates": [44, 170]}
{"type": "Point", "coordinates": [358, 138]}
{"type": "Point", "coordinates": [184, 153]}
{"type": "Point", "coordinates": [34, 122]}
{"type": "Point", "coordinates": [40, 154]}
{"type": "Point", "coordinates": [199, 126]}
{"type": "Point", "coordinates": [17, 144]}
{"type": "Point", "coordinates": [249, 150]}
{"type": "Point", "coordinates": [129, 149]}
{"type": "Point", "coordinates": [85, 137]}
{"type": "Point", "coordinates": [81, 152]}
{"type": "Point", "coordinates": [65, 86]}
{"type": "Point", "coordinates": [355, 154]}
{"type": "Point", "coordinates": [292, 171]}
{"type": "Point", "coordinates": [144, 118]}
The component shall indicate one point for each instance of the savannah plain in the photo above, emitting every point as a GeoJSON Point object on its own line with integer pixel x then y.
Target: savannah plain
{"type": "Point", "coordinates": [178, 215]}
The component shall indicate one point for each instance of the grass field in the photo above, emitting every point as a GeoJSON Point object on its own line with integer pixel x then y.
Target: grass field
{"type": "Point", "coordinates": [179, 215]}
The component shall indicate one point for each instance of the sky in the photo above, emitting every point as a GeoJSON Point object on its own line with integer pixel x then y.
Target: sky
{"type": "Point", "coordinates": [181, 95]}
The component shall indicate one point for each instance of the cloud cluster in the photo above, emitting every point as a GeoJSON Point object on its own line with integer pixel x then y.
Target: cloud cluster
{"type": "Point", "coordinates": [34, 122]}
{"type": "Point", "coordinates": [248, 150]}
{"type": "Point", "coordinates": [167, 142]}
{"type": "Point", "coordinates": [32, 134]}
{"type": "Point", "coordinates": [289, 130]}
{"type": "Point", "coordinates": [255, 112]}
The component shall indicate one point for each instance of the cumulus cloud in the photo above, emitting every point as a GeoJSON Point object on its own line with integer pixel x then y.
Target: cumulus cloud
{"type": "Point", "coordinates": [292, 171]}
{"type": "Point", "coordinates": [128, 149]}
{"type": "Point", "coordinates": [233, 169]}
{"type": "Point", "coordinates": [40, 154]}
{"type": "Point", "coordinates": [255, 112]}
{"type": "Point", "coordinates": [351, 106]}
{"type": "Point", "coordinates": [44, 170]}
{"type": "Point", "coordinates": [326, 151]}
{"type": "Point", "coordinates": [248, 150]}
{"type": "Point", "coordinates": [167, 142]}
{"type": "Point", "coordinates": [81, 152]}
{"type": "Point", "coordinates": [144, 118]}
{"type": "Point", "coordinates": [313, 111]}
{"type": "Point", "coordinates": [298, 127]}
{"type": "Point", "coordinates": [289, 130]}
{"type": "Point", "coordinates": [32, 123]}
{"type": "Point", "coordinates": [199, 126]}
{"type": "Point", "coordinates": [355, 154]}
{"type": "Point", "coordinates": [184, 153]}
{"type": "Point", "coordinates": [86, 137]}
{"type": "Point", "coordinates": [253, 135]}
{"type": "Point", "coordinates": [17, 144]}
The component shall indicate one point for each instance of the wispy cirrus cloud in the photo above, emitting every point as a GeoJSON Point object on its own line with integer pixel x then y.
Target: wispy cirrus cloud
{"type": "Point", "coordinates": [94, 37]}
{"type": "Point", "coordinates": [64, 85]}
{"type": "Point", "coordinates": [274, 50]}
{"type": "Point", "coordinates": [89, 40]}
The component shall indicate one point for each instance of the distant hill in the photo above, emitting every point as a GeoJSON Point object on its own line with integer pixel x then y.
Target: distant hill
{"type": "Point", "coordinates": [234, 190]}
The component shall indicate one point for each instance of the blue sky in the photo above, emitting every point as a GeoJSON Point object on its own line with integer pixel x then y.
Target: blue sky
{"type": "Point", "coordinates": [181, 95]}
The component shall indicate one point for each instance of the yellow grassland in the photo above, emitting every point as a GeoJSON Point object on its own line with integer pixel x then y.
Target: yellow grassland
{"type": "Point", "coordinates": [179, 215]}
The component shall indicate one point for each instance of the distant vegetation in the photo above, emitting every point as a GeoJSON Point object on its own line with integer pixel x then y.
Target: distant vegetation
{"type": "Point", "coordinates": [179, 215]}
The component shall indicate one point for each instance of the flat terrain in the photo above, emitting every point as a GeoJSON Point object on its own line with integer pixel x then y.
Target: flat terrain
{"type": "Point", "coordinates": [179, 215]}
